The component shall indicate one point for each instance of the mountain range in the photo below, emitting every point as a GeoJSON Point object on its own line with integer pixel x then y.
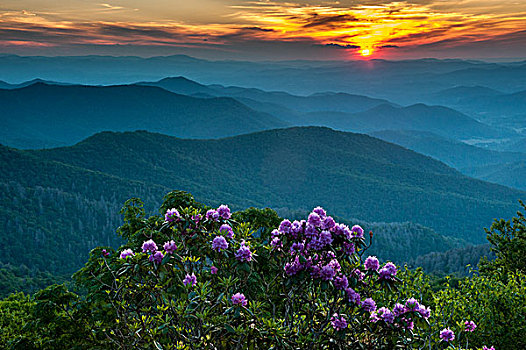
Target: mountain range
{"type": "Point", "coordinates": [353, 175]}
{"type": "Point", "coordinates": [402, 82]}
{"type": "Point", "coordinates": [42, 115]}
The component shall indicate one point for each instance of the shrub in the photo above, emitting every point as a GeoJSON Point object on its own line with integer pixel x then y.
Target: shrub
{"type": "Point", "coordinates": [197, 278]}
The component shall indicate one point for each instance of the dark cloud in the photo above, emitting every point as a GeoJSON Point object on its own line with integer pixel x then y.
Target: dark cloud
{"type": "Point", "coordinates": [389, 47]}
{"type": "Point", "coordinates": [338, 46]}
{"type": "Point", "coordinates": [332, 21]}
{"type": "Point", "coordinates": [258, 29]}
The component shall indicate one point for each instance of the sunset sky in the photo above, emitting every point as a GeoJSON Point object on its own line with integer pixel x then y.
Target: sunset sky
{"type": "Point", "coordinates": [237, 29]}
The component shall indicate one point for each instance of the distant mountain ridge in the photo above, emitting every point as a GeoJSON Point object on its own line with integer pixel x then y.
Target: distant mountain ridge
{"type": "Point", "coordinates": [353, 175]}
{"type": "Point", "coordinates": [494, 166]}
{"type": "Point", "coordinates": [58, 115]}
{"type": "Point", "coordinates": [66, 114]}
{"type": "Point", "coordinates": [437, 119]}
{"type": "Point", "coordinates": [340, 102]}
{"type": "Point", "coordinates": [378, 78]}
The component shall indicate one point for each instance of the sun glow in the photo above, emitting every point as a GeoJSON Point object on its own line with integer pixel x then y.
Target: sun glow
{"type": "Point", "coordinates": [366, 52]}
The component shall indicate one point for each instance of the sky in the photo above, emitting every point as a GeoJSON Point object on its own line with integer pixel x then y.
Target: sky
{"type": "Point", "coordinates": [266, 29]}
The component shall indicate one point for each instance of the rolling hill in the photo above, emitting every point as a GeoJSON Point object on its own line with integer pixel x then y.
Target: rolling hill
{"type": "Point", "coordinates": [352, 175]}
{"type": "Point", "coordinates": [454, 153]}
{"type": "Point", "coordinates": [339, 102]}
{"type": "Point", "coordinates": [508, 174]}
{"type": "Point", "coordinates": [51, 115]}
{"type": "Point", "coordinates": [437, 119]}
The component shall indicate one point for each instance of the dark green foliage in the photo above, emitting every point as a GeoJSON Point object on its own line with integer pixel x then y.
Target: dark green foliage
{"type": "Point", "coordinates": [25, 280]}
{"type": "Point", "coordinates": [458, 261]}
{"type": "Point", "coordinates": [508, 240]}
{"type": "Point", "coordinates": [497, 307]}
{"type": "Point", "coordinates": [57, 318]}
{"type": "Point", "coordinates": [53, 214]}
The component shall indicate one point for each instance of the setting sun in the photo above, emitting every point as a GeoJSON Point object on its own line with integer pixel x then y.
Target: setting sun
{"type": "Point", "coordinates": [366, 52]}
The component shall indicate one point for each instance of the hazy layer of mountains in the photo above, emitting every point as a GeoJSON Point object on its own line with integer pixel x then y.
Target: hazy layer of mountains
{"type": "Point", "coordinates": [403, 82]}
{"type": "Point", "coordinates": [257, 134]}
{"type": "Point", "coordinates": [40, 114]}
{"type": "Point", "coordinates": [51, 115]}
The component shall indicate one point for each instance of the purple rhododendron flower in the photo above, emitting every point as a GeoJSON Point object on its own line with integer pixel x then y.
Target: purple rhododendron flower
{"type": "Point", "coordinates": [325, 238]}
{"type": "Point", "coordinates": [293, 268]}
{"type": "Point", "coordinates": [388, 271]}
{"type": "Point", "coordinates": [335, 265]}
{"type": "Point", "coordinates": [447, 335]}
{"type": "Point", "coordinates": [372, 263]}
{"type": "Point", "coordinates": [358, 274]}
{"type": "Point", "coordinates": [327, 273]}
{"type": "Point", "coordinates": [170, 247]}
{"type": "Point", "coordinates": [197, 218]}
{"type": "Point", "coordinates": [126, 253]}
{"type": "Point", "coordinates": [412, 304]}
{"type": "Point", "coordinates": [172, 215]}
{"type": "Point", "coordinates": [320, 211]}
{"type": "Point", "coordinates": [315, 244]}
{"type": "Point", "coordinates": [348, 248]}
{"type": "Point", "coordinates": [314, 220]}
{"type": "Point", "coordinates": [190, 279]}
{"type": "Point", "coordinates": [424, 311]}
{"type": "Point", "coordinates": [374, 317]}
{"type": "Point", "coordinates": [224, 211]}
{"type": "Point", "coordinates": [105, 252]}
{"type": "Point", "coordinates": [297, 246]}
{"type": "Point", "coordinates": [338, 229]}
{"type": "Point", "coordinates": [328, 223]}
{"type": "Point", "coordinates": [386, 314]}
{"type": "Point", "coordinates": [219, 243]}
{"type": "Point", "coordinates": [296, 228]}
{"type": "Point", "coordinates": [275, 243]}
{"type": "Point", "coordinates": [399, 309]}
{"type": "Point", "coordinates": [285, 226]}
{"type": "Point", "coordinates": [239, 299]}
{"type": "Point", "coordinates": [369, 305]}
{"type": "Point", "coordinates": [156, 257]}
{"type": "Point", "coordinates": [243, 253]}
{"type": "Point", "coordinates": [226, 229]}
{"type": "Point", "coordinates": [408, 323]}
{"type": "Point", "coordinates": [357, 231]}
{"type": "Point", "coordinates": [352, 296]}
{"type": "Point", "coordinates": [212, 215]}
{"type": "Point", "coordinates": [341, 282]}
{"type": "Point", "coordinates": [149, 246]}
{"type": "Point", "coordinates": [338, 322]}
{"type": "Point", "coordinates": [213, 270]}
{"type": "Point", "coordinates": [486, 348]}
{"type": "Point", "coordinates": [470, 326]}
{"type": "Point", "coordinates": [311, 231]}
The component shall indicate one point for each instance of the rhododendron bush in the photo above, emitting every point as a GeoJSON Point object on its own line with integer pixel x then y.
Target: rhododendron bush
{"type": "Point", "coordinates": [208, 278]}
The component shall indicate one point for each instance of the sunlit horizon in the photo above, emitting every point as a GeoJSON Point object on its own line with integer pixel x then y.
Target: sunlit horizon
{"type": "Point", "coordinates": [237, 29]}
